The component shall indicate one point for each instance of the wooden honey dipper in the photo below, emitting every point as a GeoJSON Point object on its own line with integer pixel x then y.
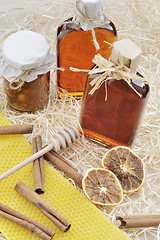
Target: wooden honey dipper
{"type": "Point", "coordinates": [64, 138]}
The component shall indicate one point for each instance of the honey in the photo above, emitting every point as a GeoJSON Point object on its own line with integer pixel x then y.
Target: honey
{"type": "Point", "coordinates": [115, 121]}
{"type": "Point", "coordinates": [25, 65]}
{"type": "Point", "coordinates": [76, 48]}
{"type": "Point", "coordinates": [31, 96]}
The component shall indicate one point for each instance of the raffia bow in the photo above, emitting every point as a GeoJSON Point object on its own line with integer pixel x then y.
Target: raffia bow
{"type": "Point", "coordinates": [109, 71]}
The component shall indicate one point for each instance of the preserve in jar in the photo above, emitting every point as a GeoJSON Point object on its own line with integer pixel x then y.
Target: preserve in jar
{"type": "Point", "coordinates": [25, 64]}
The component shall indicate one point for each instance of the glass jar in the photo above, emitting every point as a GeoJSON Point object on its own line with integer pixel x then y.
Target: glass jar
{"type": "Point", "coordinates": [25, 64]}
{"type": "Point", "coordinates": [30, 96]}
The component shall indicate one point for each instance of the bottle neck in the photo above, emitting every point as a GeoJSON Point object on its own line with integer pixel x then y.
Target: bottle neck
{"type": "Point", "coordinates": [90, 8]}
{"type": "Point", "coordinates": [89, 14]}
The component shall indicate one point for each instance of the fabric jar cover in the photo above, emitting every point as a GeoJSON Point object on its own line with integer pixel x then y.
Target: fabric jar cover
{"type": "Point", "coordinates": [25, 55]}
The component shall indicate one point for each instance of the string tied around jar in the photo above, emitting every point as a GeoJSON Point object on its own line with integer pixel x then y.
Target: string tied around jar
{"type": "Point", "coordinates": [25, 56]}
{"type": "Point", "coordinates": [16, 82]}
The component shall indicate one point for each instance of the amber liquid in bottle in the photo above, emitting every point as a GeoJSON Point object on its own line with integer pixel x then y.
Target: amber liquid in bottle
{"type": "Point", "coordinates": [115, 121]}
{"type": "Point", "coordinates": [75, 48]}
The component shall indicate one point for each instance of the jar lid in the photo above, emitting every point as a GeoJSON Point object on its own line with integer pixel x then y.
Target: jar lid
{"type": "Point", "coordinates": [25, 55]}
{"type": "Point", "coordinates": [25, 50]}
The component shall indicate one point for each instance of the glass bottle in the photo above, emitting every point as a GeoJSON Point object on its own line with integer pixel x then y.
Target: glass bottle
{"type": "Point", "coordinates": [76, 48]}
{"type": "Point", "coordinates": [115, 121]}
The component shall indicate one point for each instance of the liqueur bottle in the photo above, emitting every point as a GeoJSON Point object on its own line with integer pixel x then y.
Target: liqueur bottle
{"type": "Point", "coordinates": [110, 114]}
{"type": "Point", "coordinates": [25, 64]}
{"type": "Point", "coordinates": [89, 32]}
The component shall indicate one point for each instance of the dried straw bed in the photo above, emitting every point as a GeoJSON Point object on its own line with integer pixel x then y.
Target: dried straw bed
{"type": "Point", "coordinates": [138, 20]}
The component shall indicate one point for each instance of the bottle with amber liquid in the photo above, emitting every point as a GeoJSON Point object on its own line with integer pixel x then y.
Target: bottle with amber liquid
{"type": "Point", "coordinates": [89, 32]}
{"type": "Point", "coordinates": [114, 121]}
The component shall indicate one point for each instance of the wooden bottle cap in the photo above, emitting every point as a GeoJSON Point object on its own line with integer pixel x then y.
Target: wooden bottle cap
{"type": "Point", "coordinates": [128, 51]}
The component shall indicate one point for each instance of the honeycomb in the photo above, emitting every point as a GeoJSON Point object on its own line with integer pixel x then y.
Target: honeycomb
{"type": "Point", "coordinates": [87, 221]}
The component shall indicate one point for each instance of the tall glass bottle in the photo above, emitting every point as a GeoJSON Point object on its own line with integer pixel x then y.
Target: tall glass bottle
{"type": "Point", "coordinates": [115, 121]}
{"type": "Point", "coordinates": [89, 32]}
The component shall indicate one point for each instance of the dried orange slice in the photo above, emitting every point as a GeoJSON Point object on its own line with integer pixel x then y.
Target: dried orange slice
{"type": "Point", "coordinates": [127, 166]}
{"type": "Point", "coordinates": [102, 187]}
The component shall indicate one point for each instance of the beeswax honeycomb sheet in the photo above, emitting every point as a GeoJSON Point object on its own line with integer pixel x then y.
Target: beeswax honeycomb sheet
{"type": "Point", "coordinates": [88, 223]}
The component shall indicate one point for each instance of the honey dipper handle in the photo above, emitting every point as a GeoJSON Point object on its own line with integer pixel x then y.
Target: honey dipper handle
{"type": "Point", "coordinates": [60, 140]}
{"type": "Point", "coordinates": [27, 161]}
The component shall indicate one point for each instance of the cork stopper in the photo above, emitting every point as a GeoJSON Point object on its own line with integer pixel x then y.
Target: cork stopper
{"type": "Point", "coordinates": [128, 51]}
{"type": "Point", "coordinates": [92, 8]}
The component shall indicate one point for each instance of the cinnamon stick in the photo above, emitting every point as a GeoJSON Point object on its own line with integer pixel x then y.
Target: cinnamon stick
{"type": "Point", "coordinates": [16, 129]}
{"type": "Point", "coordinates": [38, 166]}
{"type": "Point", "coordinates": [139, 221]}
{"type": "Point", "coordinates": [43, 206]}
{"type": "Point", "coordinates": [58, 161]}
{"type": "Point", "coordinates": [26, 222]}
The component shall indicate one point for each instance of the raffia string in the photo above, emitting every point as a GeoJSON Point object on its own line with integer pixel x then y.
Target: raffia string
{"type": "Point", "coordinates": [110, 70]}
{"type": "Point", "coordinates": [82, 17]}
{"type": "Point", "coordinates": [19, 81]}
